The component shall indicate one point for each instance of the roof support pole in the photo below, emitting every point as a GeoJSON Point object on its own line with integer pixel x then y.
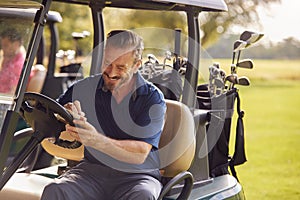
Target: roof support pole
{"type": "Point", "coordinates": [98, 46]}
{"type": "Point", "coordinates": [191, 76]}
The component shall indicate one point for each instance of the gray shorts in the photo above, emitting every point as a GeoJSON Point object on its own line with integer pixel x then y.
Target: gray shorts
{"type": "Point", "coordinates": [92, 181]}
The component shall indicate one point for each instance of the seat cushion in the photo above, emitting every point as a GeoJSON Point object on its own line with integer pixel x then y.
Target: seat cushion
{"type": "Point", "coordinates": [23, 186]}
{"type": "Point", "coordinates": [177, 144]}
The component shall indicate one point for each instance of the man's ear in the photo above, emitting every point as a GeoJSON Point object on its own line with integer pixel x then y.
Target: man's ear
{"type": "Point", "coordinates": [137, 65]}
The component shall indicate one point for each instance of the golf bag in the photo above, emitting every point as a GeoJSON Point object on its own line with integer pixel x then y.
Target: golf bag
{"type": "Point", "coordinates": [218, 130]}
{"type": "Point", "coordinates": [170, 83]}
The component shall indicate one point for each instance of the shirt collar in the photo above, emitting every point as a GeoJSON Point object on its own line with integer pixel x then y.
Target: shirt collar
{"type": "Point", "coordinates": [141, 85]}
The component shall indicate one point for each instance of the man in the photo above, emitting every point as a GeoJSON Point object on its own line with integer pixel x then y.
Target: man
{"type": "Point", "coordinates": [119, 120]}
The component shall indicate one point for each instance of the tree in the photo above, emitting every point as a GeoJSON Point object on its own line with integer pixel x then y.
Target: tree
{"type": "Point", "coordinates": [76, 18]}
{"type": "Point", "coordinates": [240, 12]}
{"type": "Point", "coordinates": [289, 48]}
{"type": "Point", "coordinates": [213, 24]}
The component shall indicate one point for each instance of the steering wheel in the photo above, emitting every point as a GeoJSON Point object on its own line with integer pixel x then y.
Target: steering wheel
{"type": "Point", "coordinates": [48, 119]}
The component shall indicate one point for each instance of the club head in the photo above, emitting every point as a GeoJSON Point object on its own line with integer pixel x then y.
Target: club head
{"type": "Point", "coordinates": [239, 45]}
{"type": "Point", "coordinates": [219, 83]}
{"type": "Point", "coordinates": [232, 78]}
{"type": "Point", "coordinates": [222, 74]}
{"type": "Point", "coordinates": [251, 37]}
{"type": "Point", "coordinates": [152, 58]}
{"type": "Point", "coordinates": [219, 86]}
{"type": "Point", "coordinates": [243, 80]}
{"type": "Point", "coordinates": [245, 63]}
{"type": "Point", "coordinates": [214, 70]}
{"type": "Point", "coordinates": [168, 55]}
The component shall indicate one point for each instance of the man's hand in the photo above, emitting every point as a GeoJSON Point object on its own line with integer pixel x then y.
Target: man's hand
{"type": "Point", "coordinates": [83, 131]}
{"type": "Point", "coordinates": [74, 109]}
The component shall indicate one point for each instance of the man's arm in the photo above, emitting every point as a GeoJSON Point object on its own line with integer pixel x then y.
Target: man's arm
{"type": "Point", "coordinates": [130, 151]}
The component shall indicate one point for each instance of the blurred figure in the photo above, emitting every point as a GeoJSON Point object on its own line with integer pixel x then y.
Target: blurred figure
{"type": "Point", "coordinates": [12, 59]}
{"type": "Point", "coordinates": [11, 63]}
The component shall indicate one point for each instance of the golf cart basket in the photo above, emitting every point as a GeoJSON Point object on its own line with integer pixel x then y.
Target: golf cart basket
{"type": "Point", "coordinates": [219, 128]}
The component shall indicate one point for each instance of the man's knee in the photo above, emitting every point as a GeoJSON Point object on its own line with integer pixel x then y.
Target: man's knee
{"type": "Point", "coordinates": [148, 194]}
{"type": "Point", "coordinates": [145, 193]}
{"type": "Point", "coordinates": [52, 191]}
{"type": "Point", "coordinates": [141, 194]}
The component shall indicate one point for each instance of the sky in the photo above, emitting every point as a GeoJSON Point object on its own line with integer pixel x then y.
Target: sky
{"type": "Point", "coordinates": [281, 20]}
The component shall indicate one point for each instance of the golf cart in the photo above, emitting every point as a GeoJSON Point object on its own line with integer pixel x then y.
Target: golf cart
{"type": "Point", "coordinates": [201, 112]}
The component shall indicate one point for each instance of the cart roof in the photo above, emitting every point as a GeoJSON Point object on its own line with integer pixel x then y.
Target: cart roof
{"type": "Point", "coordinates": [29, 13]}
{"type": "Point", "coordinates": [204, 5]}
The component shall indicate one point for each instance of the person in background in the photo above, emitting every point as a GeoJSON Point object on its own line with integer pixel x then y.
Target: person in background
{"type": "Point", "coordinates": [11, 63]}
{"type": "Point", "coordinates": [13, 56]}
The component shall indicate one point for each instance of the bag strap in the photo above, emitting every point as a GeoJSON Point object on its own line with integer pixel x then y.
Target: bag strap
{"type": "Point", "coordinates": [239, 156]}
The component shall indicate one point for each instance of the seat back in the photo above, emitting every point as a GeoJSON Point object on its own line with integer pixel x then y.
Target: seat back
{"type": "Point", "coordinates": [177, 143]}
{"type": "Point", "coordinates": [37, 78]}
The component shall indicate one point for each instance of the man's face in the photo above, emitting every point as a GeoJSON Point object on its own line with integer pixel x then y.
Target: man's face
{"type": "Point", "coordinates": [118, 68]}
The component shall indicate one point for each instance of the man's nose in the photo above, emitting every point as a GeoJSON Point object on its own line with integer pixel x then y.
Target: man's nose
{"type": "Point", "coordinates": [111, 71]}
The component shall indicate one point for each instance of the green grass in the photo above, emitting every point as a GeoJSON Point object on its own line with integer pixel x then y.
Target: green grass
{"type": "Point", "coordinates": [267, 69]}
{"type": "Point", "coordinates": [272, 131]}
{"type": "Point", "coordinates": [272, 140]}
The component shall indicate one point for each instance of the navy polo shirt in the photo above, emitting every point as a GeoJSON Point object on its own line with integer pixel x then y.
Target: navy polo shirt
{"type": "Point", "coordinates": [139, 116]}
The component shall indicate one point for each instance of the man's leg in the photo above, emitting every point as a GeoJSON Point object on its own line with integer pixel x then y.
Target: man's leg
{"type": "Point", "coordinates": [78, 183]}
{"type": "Point", "coordinates": [137, 187]}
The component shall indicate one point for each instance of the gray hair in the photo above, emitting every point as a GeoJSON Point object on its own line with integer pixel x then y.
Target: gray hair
{"type": "Point", "coordinates": [126, 39]}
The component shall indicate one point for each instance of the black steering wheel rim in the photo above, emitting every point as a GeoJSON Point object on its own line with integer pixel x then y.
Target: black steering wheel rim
{"type": "Point", "coordinates": [45, 115]}
{"type": "Point", "coordinates": [53, 105]}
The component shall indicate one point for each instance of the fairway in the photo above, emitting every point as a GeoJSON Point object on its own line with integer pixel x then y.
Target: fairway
{"type": "Point", "coordinates": [272, 130]}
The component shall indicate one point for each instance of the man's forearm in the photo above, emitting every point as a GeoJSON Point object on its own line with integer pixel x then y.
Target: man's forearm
{"type": "Point", "coordinates": [130, 151]}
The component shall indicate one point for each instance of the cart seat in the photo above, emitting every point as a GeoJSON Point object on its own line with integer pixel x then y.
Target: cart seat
{"type": "Point", "coordinates": [23, 186]}
{"type": "Point", "coordinates": [177, 148]}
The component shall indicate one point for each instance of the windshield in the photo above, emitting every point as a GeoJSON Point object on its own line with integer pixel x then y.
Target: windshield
{"type": "Point", "coordinates": [158, 36]}
{"type": "Point", "coordinates": [16, 26]}
{"type": "Point", "coordinates": [16, 29]}
{"type": "Point", "coordinates": [163, 39]}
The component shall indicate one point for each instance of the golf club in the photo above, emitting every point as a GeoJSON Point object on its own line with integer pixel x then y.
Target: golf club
{"type": "Point", "coordinates": [237, 47]}
{"type": "Point", "coordinates": [152, 58]}
{"type": "Point", "coordinates": [168, 55]}
{"type": "Point", "coordinates": [251, 37]}
{"type": "Point", "coordinates": [232, 79]}
{"type": "Point", "coordinates": [245, 63]}
{"type": "Point", "coordinates": [244, 81]}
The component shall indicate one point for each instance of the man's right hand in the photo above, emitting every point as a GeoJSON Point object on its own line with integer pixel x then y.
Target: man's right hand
{"type": "Point", "coordinates": [74, 109]}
